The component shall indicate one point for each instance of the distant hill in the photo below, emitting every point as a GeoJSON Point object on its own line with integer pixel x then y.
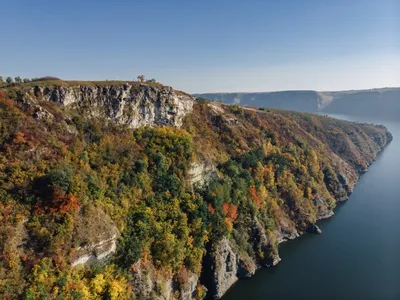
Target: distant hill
{"type": "Point", "coordinates": [381, 103]}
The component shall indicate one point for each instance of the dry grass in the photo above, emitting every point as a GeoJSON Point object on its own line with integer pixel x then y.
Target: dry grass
{"type": "Point", "coordinates": [71, 83]}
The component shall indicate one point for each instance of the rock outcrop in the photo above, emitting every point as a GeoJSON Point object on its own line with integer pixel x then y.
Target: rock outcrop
{"type": "Point", "coordinates": [225, 267]}
{"type": "Point", "coordinates": [313, 228]}
{"type": "Point", "coordinates": [147, 280]}
{"type": "Point", "coordinates": [226, 264]}
{"type": "Point", "coordinates": [134, 105]}
{"type": "Point", "coordinates": [201, 173]}
{"type": "Point", "coordinates": [92, 253]}
{"type": "Point", "coordinates": [188, 290]}
{"type": "Point", "coordinates": [95, 237]}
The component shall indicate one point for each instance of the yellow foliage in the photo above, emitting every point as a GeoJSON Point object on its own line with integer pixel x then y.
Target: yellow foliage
{"type": "Point", "coordinates": [98, 284]}
{"type": "Point", "coordinates": [118, 289]}
{"type": "Point", "coordinates": [229, 225]}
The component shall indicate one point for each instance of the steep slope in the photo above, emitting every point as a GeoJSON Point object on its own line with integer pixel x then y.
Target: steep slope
{"type": "Point", "coordinates": [95, 205]}
{"type": "Point", "coordinates": [376, 103]}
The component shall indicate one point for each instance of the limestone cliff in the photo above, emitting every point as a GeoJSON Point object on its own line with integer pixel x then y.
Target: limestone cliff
{"type": "Point", "coordinates": [131, 104]}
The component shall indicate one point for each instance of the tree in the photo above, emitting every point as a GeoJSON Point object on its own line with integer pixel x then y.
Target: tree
{"type": "Point", "coordinates": [9, 79]}
{"type": "Point", "coordinates": [141, 78]}
{"type": "Point", "coordinates": [151, 80]}
{"type": "Point", "coordinates": [25, 80]}
{"type": "Point", "coordinates": [18, 79]}
{"type": "Point", "coordinates": [1, 80]}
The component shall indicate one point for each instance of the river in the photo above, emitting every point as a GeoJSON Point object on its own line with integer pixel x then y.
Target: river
{"type": "Point", "coordinates": [358, 254]}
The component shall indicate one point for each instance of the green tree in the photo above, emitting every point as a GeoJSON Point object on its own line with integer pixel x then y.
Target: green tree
{"type": "Point", "coordinates": [25, 80]}
{"type": "Point", "coordinates": [18, 79]}
{"type": "Point", "coordinates": [141, 78]}
{"type": "Point", "coordinates": [1, 80]}
{"type": "Point", "coordinates": [9, 79]}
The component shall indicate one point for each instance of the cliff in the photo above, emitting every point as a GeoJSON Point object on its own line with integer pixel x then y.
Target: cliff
{"type": "Point", "coordinates": [375, 103]}
{"type": "Point", "coordinates": [126, 103]}
{"type": "Point", "coordinates": [119, 190]}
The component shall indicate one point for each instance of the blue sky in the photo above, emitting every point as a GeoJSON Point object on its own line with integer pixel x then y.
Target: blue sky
{"type": "Point", "coordinates": [207, 45]}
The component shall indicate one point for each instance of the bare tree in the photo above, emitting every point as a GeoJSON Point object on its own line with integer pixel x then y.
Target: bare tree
{"type": "Point", "coordinates": [141, 78]}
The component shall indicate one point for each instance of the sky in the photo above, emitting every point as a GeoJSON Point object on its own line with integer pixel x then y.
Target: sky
{"type": "Point", "coordinates": [206, 45]}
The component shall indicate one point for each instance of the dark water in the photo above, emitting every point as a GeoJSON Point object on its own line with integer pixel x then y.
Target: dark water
{"type": "Point", "coordinates": [358, 254]}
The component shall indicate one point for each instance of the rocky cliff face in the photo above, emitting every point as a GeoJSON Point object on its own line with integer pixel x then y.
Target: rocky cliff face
{"type": "Point", "coordinates": [95, 237]}
{"type": "Point", "coordinates": [223, 266]}
{"type": "Point", "coordinates": [147, 280]}
{"type": "Point", "coordinates": [134, 105]}
{"type": "Point", "coordinates": [201, 173]}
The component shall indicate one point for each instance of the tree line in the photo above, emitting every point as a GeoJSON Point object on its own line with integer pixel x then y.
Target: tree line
{"type": "Point", "coordinates": [17, 79]}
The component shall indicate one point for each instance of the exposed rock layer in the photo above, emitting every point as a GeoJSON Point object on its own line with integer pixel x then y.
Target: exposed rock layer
{"type": "Point", "coordinates": [133, 105]}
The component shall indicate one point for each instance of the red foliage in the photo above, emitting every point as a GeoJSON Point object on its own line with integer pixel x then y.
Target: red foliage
{"type": "Point", "coordinates": [225, 208]}
{"type": "Point", "coordinates": [211, 209]}
{"type": "Point", "coordinates": [7, 102]}
{"type": "Point", "coordinates": [61, 203]}
{"type": "Point", "coordinates": [230, 211]}
{"type": "Point", "coordinates": [19, 138]}
{"type": "Point", "coordinates": [233, 211]}
{"type": "Point", "coordinates": [254, 197]}
{"type": "Point", "coordinates": [183, 276]}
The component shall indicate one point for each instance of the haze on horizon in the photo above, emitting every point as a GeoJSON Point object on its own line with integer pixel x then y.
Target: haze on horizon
{"type": "Point", "coordinates": [207, 46]}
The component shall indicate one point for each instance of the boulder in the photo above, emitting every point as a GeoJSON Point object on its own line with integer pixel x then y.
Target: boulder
{"type": "Point", "coordinates": [313, 228]}
{"type": "Point", "coordinates": [272, 261]}
{"type": "Point", "coordinates": [246, 267]}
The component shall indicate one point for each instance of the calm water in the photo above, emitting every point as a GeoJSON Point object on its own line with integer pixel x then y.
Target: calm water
{"type": "Point", "coordinates": [358, 254]}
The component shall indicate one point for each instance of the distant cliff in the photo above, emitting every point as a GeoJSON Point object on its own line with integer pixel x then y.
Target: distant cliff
{"type": "Point", "coordinates": [377, 103]}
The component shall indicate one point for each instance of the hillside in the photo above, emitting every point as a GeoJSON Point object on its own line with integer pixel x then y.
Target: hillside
{"type": "Point", "coordinates": [376, 103]}
{"type": "Point", "coordinates": [121, 190]}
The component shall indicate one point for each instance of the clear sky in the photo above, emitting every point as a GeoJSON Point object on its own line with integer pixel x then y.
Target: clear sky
{"type": "Point", "coordinates": [206, 45]}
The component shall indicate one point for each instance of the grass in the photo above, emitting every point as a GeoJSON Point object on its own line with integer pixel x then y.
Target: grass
{"type": "Point", "coordinates": [73, 83]}
{"type": "Point", "coordinates": [67, 83]}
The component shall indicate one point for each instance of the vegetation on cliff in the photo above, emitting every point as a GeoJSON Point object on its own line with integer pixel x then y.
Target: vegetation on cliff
{"type": "Point", "coordinates": [67, 179]}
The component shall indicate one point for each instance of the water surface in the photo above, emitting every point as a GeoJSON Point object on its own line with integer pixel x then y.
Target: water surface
{"type": "Point", "coordinates": [358, 254]}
